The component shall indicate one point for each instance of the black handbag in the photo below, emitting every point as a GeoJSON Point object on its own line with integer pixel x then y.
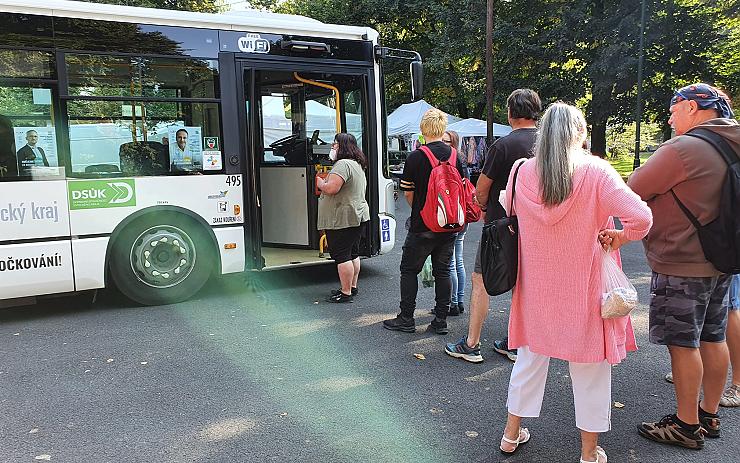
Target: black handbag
{"type": "Point", "coordinates": [499, 251]}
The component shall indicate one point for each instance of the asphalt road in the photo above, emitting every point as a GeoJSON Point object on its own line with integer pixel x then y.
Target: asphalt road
{"type": "Point", "coordinates": [268, 372]}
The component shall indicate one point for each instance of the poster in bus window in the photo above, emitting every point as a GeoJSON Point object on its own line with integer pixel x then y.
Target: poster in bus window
{"type": "Point", "coordinates": [36, 147]}
{"type": "Point", "coordinates": [186, 148]}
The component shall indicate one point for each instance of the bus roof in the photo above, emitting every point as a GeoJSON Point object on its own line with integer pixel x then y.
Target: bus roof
{"type": "Point", "coordinates": [247, 21]}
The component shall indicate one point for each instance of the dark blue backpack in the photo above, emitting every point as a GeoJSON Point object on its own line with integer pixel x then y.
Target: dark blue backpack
{"type": "Point", "coordinates": [720, 238]}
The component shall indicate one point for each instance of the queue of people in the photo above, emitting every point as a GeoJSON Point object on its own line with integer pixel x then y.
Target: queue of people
{"type": "Point", "coordinates": [565, 203]}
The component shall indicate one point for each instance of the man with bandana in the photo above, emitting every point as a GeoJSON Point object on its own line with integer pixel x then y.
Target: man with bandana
{"type": "Point", "coordinates": [687, 313]}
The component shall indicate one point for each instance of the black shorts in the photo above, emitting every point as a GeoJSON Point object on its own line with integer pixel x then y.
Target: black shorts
{"type": "Point", "coordinates": [344, 243]}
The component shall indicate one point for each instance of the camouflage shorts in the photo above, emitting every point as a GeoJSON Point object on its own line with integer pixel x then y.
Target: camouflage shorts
{"type": "Point", "coordinates": [687, 310]}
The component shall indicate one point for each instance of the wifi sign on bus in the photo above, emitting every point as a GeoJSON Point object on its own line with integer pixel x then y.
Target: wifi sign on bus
{"type": "Point", "coordinates": [253, 43]}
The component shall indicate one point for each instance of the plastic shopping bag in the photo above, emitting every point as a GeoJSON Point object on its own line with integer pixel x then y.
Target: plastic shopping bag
{"type": "Point", "coordinates": [427, 279]}
{"type": "Point", "coordinates": [619, 297]}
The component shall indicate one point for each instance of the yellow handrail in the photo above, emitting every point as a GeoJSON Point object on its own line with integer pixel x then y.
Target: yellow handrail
{"type": "Point", "coordinates": [330, 87]}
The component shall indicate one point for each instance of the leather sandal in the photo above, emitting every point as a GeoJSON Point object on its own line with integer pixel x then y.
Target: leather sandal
{"type": "Point", "coordinates": [522, 438]}
{"type": "Point", "coordinates": [600, 456]}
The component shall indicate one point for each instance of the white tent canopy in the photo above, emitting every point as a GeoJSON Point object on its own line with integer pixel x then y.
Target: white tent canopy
{"type": "Point", "coordinates": [276, 125]}
{"type": "Point", "coordinates": [405, 120]}
{"type": "Point", "coordinates": [477, 128]}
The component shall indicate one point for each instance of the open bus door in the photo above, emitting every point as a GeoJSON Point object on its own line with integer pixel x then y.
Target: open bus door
{"type": "Point", "coordinates": [286, 115]}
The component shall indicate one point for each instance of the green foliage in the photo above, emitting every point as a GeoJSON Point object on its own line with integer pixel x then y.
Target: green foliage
{"type": "Point", "coordinates": [583, 51]}
{"type": "Point", "coordinates": [203, 6]}
{"type": "Point", "coordinates": [625, 164]}
{"type": "Point", "coordinates": [621, 139]}
{"type": "Point", "coordinates": [689, 41]}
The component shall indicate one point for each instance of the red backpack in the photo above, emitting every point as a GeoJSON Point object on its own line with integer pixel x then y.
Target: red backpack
{"type": "Point", "coordinates": [444, 208]}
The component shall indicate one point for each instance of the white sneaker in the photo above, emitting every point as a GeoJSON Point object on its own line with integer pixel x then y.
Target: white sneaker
{"type": "Point", "coordinates": [731, 397]}
{"type": "Point", "coordinates": [669, 377]}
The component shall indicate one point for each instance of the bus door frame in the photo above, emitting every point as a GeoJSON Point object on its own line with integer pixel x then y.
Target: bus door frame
{"type": "Point", "coordinates": [239, 92]}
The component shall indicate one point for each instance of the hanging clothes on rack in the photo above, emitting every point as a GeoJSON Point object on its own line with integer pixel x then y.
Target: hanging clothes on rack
{"type": "Point", "coordinates": [471, 147]}
{"type": "Point", "coordinates": [480, 152]}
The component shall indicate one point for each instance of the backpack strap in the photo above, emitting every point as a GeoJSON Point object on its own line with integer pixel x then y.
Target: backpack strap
{"type": "Point", "coordinates": [686, 211]}
{"type": "Point", "coordinates": [725, 150]}
{"type": "Point", "coordinates": [433, 159]}
{"type": "Point", "coordinates": [718, 142]}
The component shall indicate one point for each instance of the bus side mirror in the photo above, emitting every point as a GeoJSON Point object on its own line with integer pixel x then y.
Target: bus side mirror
{"type": "Point", "coordinates": [417, 80]}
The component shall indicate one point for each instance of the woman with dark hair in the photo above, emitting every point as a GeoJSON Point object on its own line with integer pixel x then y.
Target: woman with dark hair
{"type": "Point", "coordinates": [343, 210]}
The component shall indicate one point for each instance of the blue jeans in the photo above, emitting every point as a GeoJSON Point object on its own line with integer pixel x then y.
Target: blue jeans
{"type": "Point", "coordinates": [457, 269]}
{"type": "Point", "coordinates": [733, 294]}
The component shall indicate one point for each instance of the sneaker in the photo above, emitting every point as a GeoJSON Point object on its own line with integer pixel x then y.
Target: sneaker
{"type": "Point", "coordinates": [407, 325]}
{"type": "Point", "coordinates": [340, 297]}
{"type": "Point", "coordinates": [502, 347]}
{"type": "Point", "coordinates": [460, 307]}
{"type": "Point", "coordinates": [337, 291]}
{"type": "Point", "coordinates": [731, 397]}
{"type": "Point", "coordinates": [454, 310]}
{"type": "Point", "coordinates": [669, 377]}
{"type": "Point", "coordinates": [439, 326]}
{"type": "Point", "coordinates": [710, 423]}
{"type": "Point", "coordinates": [668, 431]}
{"type": "Point", "coordinates": [461, 350]}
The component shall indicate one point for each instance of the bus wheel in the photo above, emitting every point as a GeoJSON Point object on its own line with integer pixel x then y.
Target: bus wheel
{"type": "Point", "coordinates": [156, 264]}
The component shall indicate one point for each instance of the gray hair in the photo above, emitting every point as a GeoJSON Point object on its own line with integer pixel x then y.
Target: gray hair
{"type": "Point", "coordinates": [561, 134]}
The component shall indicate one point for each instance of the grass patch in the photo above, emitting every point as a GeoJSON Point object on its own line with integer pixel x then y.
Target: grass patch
{"type": "Point", "coordinates": [623, 164]}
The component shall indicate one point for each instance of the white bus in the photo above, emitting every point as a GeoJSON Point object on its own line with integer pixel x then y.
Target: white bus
{"type": "Point", "coordinates": [149, 149]}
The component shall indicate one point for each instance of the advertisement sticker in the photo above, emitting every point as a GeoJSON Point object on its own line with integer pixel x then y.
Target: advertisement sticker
{"type": "Point", "coordinates": [101, 194]}
{"type": "Point", "coordinates": [211, 143]}
{"type": "Point", "coordinates": [212, 160]}
{"type": "Point", "coordinates": [36, 147]}
{"type": "Point", "coordinates": [186, 148]}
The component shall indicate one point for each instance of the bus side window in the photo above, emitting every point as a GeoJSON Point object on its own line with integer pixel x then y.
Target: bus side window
{"type": "Point", "coordinates": [28, 139]}
{"type": "Point", "coordinates": [133, 135]}
{"type": "Point", "coordinates": [28, 144]}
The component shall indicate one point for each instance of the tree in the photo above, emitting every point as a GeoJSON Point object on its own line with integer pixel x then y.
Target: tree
{"type": "Point", "coordinates": [203, 6]}
{"type": "Point", "coordinates": [580, 51]}
{"type": "Point", "coordinates": [690, 41]}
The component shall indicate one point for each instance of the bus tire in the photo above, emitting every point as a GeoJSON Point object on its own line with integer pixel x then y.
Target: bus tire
{"type": "Point", "coordinates": [156, 263]}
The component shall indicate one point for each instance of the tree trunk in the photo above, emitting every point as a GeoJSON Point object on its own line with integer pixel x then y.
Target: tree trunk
{"type": "Point", "coordinates": [601, 105]}
{"type": "Point", "coordinates": [462, 109]}
{"type": "Point", "coordinates": [598, 139]}
{"type": "Point", "coordinates": [480, 108]}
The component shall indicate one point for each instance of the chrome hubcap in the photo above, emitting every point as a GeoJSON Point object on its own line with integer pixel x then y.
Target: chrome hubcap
{"type": "Point", "coordinates": [162, 256]}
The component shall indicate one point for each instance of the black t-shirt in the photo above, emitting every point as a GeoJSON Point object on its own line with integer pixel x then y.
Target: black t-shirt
{"type": "Point", "coordinates": [415, 178]}
{"type": "Point", "coordinates": [499, 161]}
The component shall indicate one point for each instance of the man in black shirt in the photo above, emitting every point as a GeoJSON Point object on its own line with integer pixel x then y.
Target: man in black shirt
{"type": "Point", "coordinates": [524, 107]}
{"type": "Point", "coordinates": [420, 241]}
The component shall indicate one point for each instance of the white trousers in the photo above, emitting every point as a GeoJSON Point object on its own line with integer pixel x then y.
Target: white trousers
{"type": "Point", "coordinates": [592, 390]}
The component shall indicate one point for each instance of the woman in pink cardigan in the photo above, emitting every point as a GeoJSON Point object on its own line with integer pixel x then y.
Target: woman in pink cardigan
{"type": "Point", "coordinates": [564, 198]}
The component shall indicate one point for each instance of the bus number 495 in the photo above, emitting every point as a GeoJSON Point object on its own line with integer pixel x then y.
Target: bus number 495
{"type": "Point", "coordinates": [234, 180]}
